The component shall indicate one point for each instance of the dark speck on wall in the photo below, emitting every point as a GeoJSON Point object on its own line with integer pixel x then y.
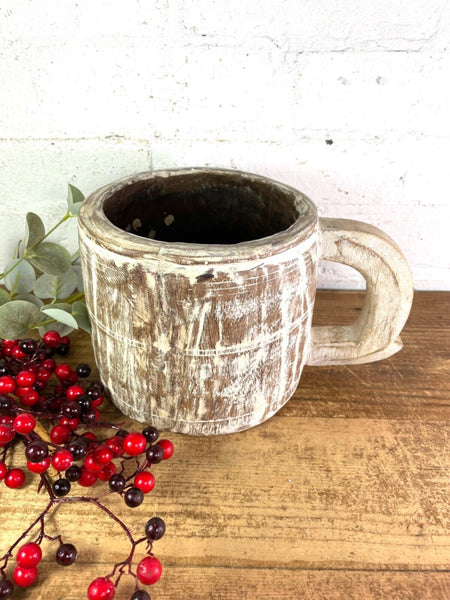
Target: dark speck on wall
{"type": "Point", "coordinates": [329, 142]}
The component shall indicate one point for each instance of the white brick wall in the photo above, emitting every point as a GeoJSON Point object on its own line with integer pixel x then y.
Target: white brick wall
{"type": "Point", "coordinates": [94, 89]}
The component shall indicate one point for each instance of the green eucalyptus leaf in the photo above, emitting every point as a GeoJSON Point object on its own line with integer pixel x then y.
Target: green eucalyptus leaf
{"type": "Point", "coordinates": [4, 297]}
{"type": "Point", "coordinates": [55, 326]}
{"type": "Point", "coordinates": [16, 318]}
{"type": "Point", "coordinates": [77, 270]}
{"type": "Point", "coordinates": [60, 312]}
{"type": "Point", "coordinates": [75, 199]}
{"type": "Point", "coordinates": [22, 277]}
{"type": "Point", "coordinates": [51, 258]}
{"type": "Point", "coordinates": [79, 311]}
{"type": "Point", "coordinates": [49, 286]}
{"type": "Point", "coordinates": [30, 298]}
{"type": "Point", "coordinates": [35, 229]}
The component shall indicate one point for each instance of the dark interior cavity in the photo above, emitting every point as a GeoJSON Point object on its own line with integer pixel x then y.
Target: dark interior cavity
{"type": "Point", "coordinates": [201, 208]}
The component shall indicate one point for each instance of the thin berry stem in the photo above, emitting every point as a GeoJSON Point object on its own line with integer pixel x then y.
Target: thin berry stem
{"type": "Point", "coordinates": [38, 519]}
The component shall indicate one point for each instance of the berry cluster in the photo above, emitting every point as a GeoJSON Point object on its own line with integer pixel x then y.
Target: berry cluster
{"type": "Point", "coordinates": [71, 453]}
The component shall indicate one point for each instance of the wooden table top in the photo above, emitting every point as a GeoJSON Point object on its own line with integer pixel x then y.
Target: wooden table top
{"type": "Point", "coordinates": [344, 494]}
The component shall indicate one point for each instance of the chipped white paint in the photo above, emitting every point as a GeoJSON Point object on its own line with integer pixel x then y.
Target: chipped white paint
{"type": "Point", "coordinates": [217, 355]}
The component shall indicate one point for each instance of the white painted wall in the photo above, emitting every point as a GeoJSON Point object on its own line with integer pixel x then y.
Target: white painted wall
{"type": "Point", "coordinates": [95, 89]}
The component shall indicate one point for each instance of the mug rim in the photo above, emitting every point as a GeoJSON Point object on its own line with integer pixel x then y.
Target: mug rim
{"type": "Point", "coordinates": [93, 220]}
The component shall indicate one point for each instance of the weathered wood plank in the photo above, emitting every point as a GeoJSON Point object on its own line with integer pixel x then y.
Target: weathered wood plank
{"type": "Point", "coordinates": [320, 492]}
{"type": "Point", "coordinates": [255, 584]}
{"type": "Point", "coordinates": [348, 481]}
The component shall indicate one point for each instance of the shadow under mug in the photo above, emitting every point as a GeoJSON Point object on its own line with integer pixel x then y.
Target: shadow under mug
{"type": "Point", "coordinates": [200, 286]}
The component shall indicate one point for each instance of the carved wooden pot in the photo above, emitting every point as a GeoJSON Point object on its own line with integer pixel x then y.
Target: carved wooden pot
{"type": "Point", "coordinates": [200, 285]}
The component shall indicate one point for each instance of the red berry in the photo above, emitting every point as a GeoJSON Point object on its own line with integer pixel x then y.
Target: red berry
{"type": "Point", "coordinates": [69, 423]}
{"type": "Point", "coordinates": [24, 423]}
{"type": "Point", "coordinates": [24, 577]}
{"type": "Point", "coordinates": [90, 436]}
{"type": "Point", "coordinates": [74, 391]}
{"type": "Point", "coordinates": [6, 420]}
{"type": "Point", "coordinates": [48, 364]}
{"type": "Point", "coordinates": [91, 464]}
{"type": "Point", "coordinates": [15, 478]}
{"type": "Point", "coordinates": [101, 589]}
{"type": "Point", "coordinates": [25, 378]}
{"type": "Point", "coordinates": [43, 375]}
{"type": "Point", "coordinates": [17, 353]}
{"type": "Point", "coordinates": [9, 343]}
{"type": "Point", "coordinates": [65, 340]}
{"type": "Point", "coordinates": [145, 481]}
{"type": "Point", "coordinates": [115, 444]}
{"type": "Point", "coordinates": [3, 470]}
{"type": "Point", "coordinates": [60, 434]}
{"type": "Point", "coordinates": [30, 399]}
{"type": "Point", "coordinates": [87, 478]}
{"type": "Point", "coordinates": [51, 338]}
{"type": "Point", "coordinates": [97, 402]}
{"type": "Point", "coordinates": [7, 384]}
{"type": "Point", "coordinates": [167, 446]}
{"type": "Point", "coordinates": [72, 423]}
{"type": "Point", "coordinates": [134, 444]}
{"type": "Point", "coordinates": [107, 472]}
{"type": "Point", "coordinates": [7, 433]}
{"type": "Point", "coordinates": [72, 378]}
{"type": "Point", "coordinates": [29, 555]}
{"type": "Point", "coordinates": [149, 570]}
{"type": "Point", "coordinates": [62, 460]}
{"type": "Point", "coordinates": [103, 455]}
{"type": "Point", "coordinates": [63, 371]}
{"type": "Point", "coordinates": [39, 467]}
{"type": "Point", "coordinates": [23, 391]}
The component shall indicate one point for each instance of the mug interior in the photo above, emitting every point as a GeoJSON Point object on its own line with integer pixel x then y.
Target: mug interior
{"type": "Point", "coordinates": [203, 208]}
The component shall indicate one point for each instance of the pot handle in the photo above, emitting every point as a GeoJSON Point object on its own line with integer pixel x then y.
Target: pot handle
{"type": "Point", "coordinates": [374, 334]}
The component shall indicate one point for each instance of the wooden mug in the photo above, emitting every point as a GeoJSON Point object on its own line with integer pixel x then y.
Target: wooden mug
{"type": "Point", "coordinates": [200, 285]}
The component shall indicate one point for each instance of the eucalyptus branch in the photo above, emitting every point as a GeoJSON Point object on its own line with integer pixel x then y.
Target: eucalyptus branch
{"type": "Point", "coordinates": [43, 287]}
{"type": "Point", "coordinates": [65, 218]}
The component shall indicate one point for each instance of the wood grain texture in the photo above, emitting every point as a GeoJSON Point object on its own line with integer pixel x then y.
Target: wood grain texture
{"type": "Point", "coordinates": [343, 494]}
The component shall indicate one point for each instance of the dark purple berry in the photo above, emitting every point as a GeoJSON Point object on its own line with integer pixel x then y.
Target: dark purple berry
{"type": "Point", "coordinates": [122, 433]}
{"type": "Point", "coordinates": [28, 346]}
{"type": "Point", "coordinates": [117, 483]}
{"type": "Point", "coordinates": [83, 370]}
{"type": "Point", "coordinates": [140, 595]}
{"type": "Point", "coordinates": [154, 454]}
{"type": "Point", "coordinates": [73, 473]}
{"type": "Point", "coordinates": [93, 392]}
{"type": "Point", "coordinates": [4, 370]}
{"type": "Point", "coordinates": [6, 588]}
{"type": "Point", "coordinates": [89, 417]}
{"type": "Point", "coordinates": [46, 353]}
{"type": "Point", "coordinates": [133, 497]}
{"type": "Point", "coordinates": [85, 403]}
{"type": "Point", "coordinates": [155, 528]}
{"type": "Point", "coordinates": [36, 451]}
{"type": "Point", "coordinates": [71, 409]}
{"type": "Point", "coordinates": [151, 434]}
{"type": "Point", "coordinates": [61, 487]}
{"type": "Point", "coordinates": [77, 448]}
{"type": "Point", "coordinates": [62, 349]}
{"type": "Point", "coordinates": [5, 403]}
{"type": "Point", "coordinates": [66, 555]}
